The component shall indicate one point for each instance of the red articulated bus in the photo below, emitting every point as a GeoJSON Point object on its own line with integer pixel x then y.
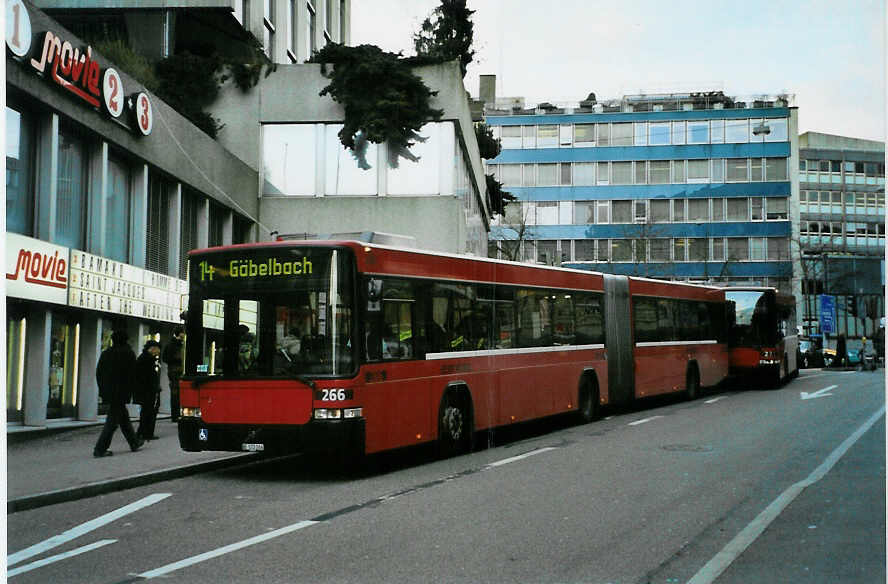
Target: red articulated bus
{"type": "Point", "coordinates": [763, 337]}
{"type": "Point", "coordinates": [361, 348]}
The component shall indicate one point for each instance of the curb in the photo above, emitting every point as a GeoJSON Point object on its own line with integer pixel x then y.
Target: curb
{"type": "Point", "coordinates": [103, 487]}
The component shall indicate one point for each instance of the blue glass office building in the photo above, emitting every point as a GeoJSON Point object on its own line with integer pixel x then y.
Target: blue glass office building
{"type": "Point", "coordinates": [697, 187]}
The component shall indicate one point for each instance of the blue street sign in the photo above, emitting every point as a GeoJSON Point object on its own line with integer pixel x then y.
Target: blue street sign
{"type": "Point", "coordinates": [827, 314]}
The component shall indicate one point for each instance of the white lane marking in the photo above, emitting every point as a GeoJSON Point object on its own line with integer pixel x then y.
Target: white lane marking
{"type": "Point", "coordinates": [75, 532]}
{"type": "Point", "coordinates": [715, 399]}
{"type": "Point", "coordinates": [58, 557]}
{"type": "Point", "coordinates": [519, 457]}
{"type": "Point", "coordinates": [637, 422]}
{"type": "Point", "coordinates": [819, 393]}
{"type": "Point", "coordinates": [225, 550]}
{"type": "Point", "coordinates": [718, 564]}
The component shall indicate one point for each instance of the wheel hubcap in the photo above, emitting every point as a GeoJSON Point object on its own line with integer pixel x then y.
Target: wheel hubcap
{"type": "Point", "coordinates": [453, 421]}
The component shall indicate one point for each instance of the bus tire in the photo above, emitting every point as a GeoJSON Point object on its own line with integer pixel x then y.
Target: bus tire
{"type": "Point", "coordinates": [587, 402]}
{"type": "Point", "coordinates": [692, 383]}
{"type": "Point", "coordinates": [455, 425]}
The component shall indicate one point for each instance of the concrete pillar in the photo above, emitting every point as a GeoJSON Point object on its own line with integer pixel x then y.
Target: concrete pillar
{"type": "Point", "coordinates": [90, 350]}
{"type": "Point", "coordinates": [37, 366]}
{"type": "Point", "coordinates": [228, 228]}
{"type": "Point", "coordinates": [203, 223]}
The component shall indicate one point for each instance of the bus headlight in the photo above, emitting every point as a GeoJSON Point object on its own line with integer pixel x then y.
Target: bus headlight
{"type": "Point", "coordinates": [338, 414]}
{"type": "Point", "coordinates": [189, 412]}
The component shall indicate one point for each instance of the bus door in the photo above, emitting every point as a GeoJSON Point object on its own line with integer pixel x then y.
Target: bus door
{"type": "Point", "coordinates": [618, 340]}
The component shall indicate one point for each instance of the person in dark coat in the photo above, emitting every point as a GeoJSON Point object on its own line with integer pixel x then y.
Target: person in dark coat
{"type": "Point", "coordinates": [114, 376]}
{"type": "Point", "coordinates": [147, 388]}
{"type": "Point", "coordinates": [172, 356]}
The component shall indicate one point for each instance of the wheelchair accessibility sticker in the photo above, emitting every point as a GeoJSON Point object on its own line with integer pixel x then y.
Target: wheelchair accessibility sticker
{"type": "Point", "coordinates": [203, 434]}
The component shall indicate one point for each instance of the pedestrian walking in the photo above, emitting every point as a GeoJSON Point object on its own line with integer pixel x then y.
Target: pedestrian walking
{"type": "Point", "coordinates": [172, 356]}
{"type": "Point", "coordinates": [147, 388]}
{"type": "Point", "coordinates": [114, 376]}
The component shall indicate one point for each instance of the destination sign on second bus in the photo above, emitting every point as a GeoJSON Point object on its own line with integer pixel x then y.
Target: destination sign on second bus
{"type": "Point", "coordinates": [270, 268]}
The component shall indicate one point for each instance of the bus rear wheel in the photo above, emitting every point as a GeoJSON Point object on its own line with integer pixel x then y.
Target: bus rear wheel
{"type": "Point", "coordinates": [693, 383]}
{"type": "Point", "coordinates": [588, 401]}
{"type": "Point", "coordinates": [454, 426]}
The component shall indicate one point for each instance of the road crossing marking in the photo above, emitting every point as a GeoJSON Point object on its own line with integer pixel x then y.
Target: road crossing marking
{"type": "Point", "coordinates": [58, 557]}
{"type": "Point", "coordinates": [225, 549]}
{"type": "Point", "coordinates": [820, 393]}
{"type": "Point", "coordinates": [75, 532]}
{"type": "Point", "coordinates": [718, 564]}
{"type": "Point", "coordinates": [645, 420]}
{"type": "Point", "coordinates": [715, 399]}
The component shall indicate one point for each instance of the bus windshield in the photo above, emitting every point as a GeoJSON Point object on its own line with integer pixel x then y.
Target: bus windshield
{"type": "Point", "coordinates": [753, 323]}
{"type": "Point", "coordinates": [274, 312]}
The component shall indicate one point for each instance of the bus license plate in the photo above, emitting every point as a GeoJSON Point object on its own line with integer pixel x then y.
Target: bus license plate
{"type": "Point", "coordinates": [253, 447]}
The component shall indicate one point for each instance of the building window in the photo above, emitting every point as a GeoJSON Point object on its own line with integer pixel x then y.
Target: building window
{"type": "Point", "coordinates": [755, 166]}
{"type": "Point", "coordinates": [289, 159]}
{"type": "Point", "coordinates": [328, 18]}
{"type": "Point", "coordinates": [510, 174]}
{"type": "Point", "coordinates": [547, 213]}
{"type": "Point", "coordinates": [718, 170]}
{"type": "Point", "coordinates": [19, 172]}
{"type": "Point", "coordinates": [659, 172]}
{"type": "Point", "coordinates": [778, 248]}
{"type": "Point", "coordinates": [511, 137]}
{"type": "Point", "coordinates": [659, 250]}
{"type": "Point", "coordinates": [584, 250]}
{"type": "Point", "coordinates": [779, 132]}
{"type": "Point", "coordinates": [530, 136]}
{"type": "Point", "coordinates": [641, 211]}
{"type": "Point", "coordinates": [603, 216]}
{"type": "Point", "coordinates": [566, 178]}
{"type": "Point", "coordinates": [698, 171]}
{"type": "Point", "coordinates": [547, 136]}
{"type": "Point", "coordinates": [547, 175]}
{"type": "Point", "coordinates": [641, 172]}
{"type": "Point", "coordinates": [293, 36]}
{"type": "Point", "coordinates": [698, 210]}
{"type": "Point", "coordinates": [777, 208]}
{"type": "Point", "coordinates": [117, 211]}
{"type": "Point", "coordinates": [658, 133]}
{"type": "Point", "coordinates": [621, 250]}
{"type": "Point", "coordinates": [678, 210]}
{"type": "Point", "coordinates": [584, 213]}
{"type": "Point", "coordinates": [343, 175]}
{"type": "Point", "coordinates": [718, 249]}
{"type": "Point", "coordinates": [622, 134]}
{"type": "Point", "coordinates": [718, 209]}
{"type": "Point", "coordinates": [621, 212]}
{"type": "Point", "coordinates": [342, 22]}
{"type": "Point", "coordinates": [603, 134]}
{"type": "Point", "coordinates": [678, 171]}
{"type": "Point", "coordinates": [698, 132]}
{"type": "Point", "coordinates": [738, 249]}
{"type": "Point", "coordinates": [678, 133]}
{"type": "Point", "coordinates": [584, 173]}
{"type": "Point", "coordinates": [717, 130]}
{"type": "Point", "coordinates": [641, 133]}
{"type": "Point", "coordinates": [775, 169]}
{"type": "Point", "coordinates": [584, 135]}
{"type": "Point", "coordinates": [757, 248]}
{"type": "Point", "coordinates": [71, 191]}
{"type": "Point", "coordinates": [738, 170]}
{"type": "Point", "coordinates": [679, 249]}
{"type": "Point", "coordinates": [756, 206]}
{"type": "Point", "coordinates": [157, 246]}
{"type": "Point", "coordinates": [736, 131]}
{"type": "Point", "coordinates": [529, 175]}
{"type": "Point", "coordinates": [603, 173]}
{"type": "Point", "coordinates": [566, 134]}
{"type": "Point", "coordinates": [310, 30]}
{"type": "Point", "coordinates": [268, 29]}
{"type": "Point", "coordinates": [697, 249]}
{"type": "Point", "coordinates": [738, 209]}
{"type": "Point", "coordinates": [621, 173]}
{"type": "Point", "coordinates": [660, 211]}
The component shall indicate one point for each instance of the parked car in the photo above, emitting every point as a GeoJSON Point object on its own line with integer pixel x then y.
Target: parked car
{"type": "Point", "coordinates": [852, 357]}
{"type": "Point", "coordinates": [809, 356]}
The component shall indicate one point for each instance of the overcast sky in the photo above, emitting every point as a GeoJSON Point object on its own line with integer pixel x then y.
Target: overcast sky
{"type": "Point", "coordinates": [831, 55]}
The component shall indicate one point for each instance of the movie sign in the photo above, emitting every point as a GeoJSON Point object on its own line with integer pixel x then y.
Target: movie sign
{"type": "Point", "coordinates": [74, 69]}
{"type": "Point", "coordinates": [106, 285]}
{"type": "Point", "coordinates": [36, 270]}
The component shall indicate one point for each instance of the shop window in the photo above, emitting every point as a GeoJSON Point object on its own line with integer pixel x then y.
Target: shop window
{"type": "Point", "coordinates": [16, 329]}
{"type": "Point", "coordinates": [62, 381]}
{"type": "Point", "coordinates": [19, 172]}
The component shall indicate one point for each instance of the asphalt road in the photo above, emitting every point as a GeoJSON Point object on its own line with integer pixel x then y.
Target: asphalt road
{"type": "Point", "coordinates": [737, 486]}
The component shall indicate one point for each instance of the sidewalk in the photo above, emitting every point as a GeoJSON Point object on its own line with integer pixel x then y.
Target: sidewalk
{"type": "Point", "coordinates": [48, 466]}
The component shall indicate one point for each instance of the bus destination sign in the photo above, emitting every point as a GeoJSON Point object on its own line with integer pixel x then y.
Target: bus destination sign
{"type": "Point", "coordinates": [248, 269]}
